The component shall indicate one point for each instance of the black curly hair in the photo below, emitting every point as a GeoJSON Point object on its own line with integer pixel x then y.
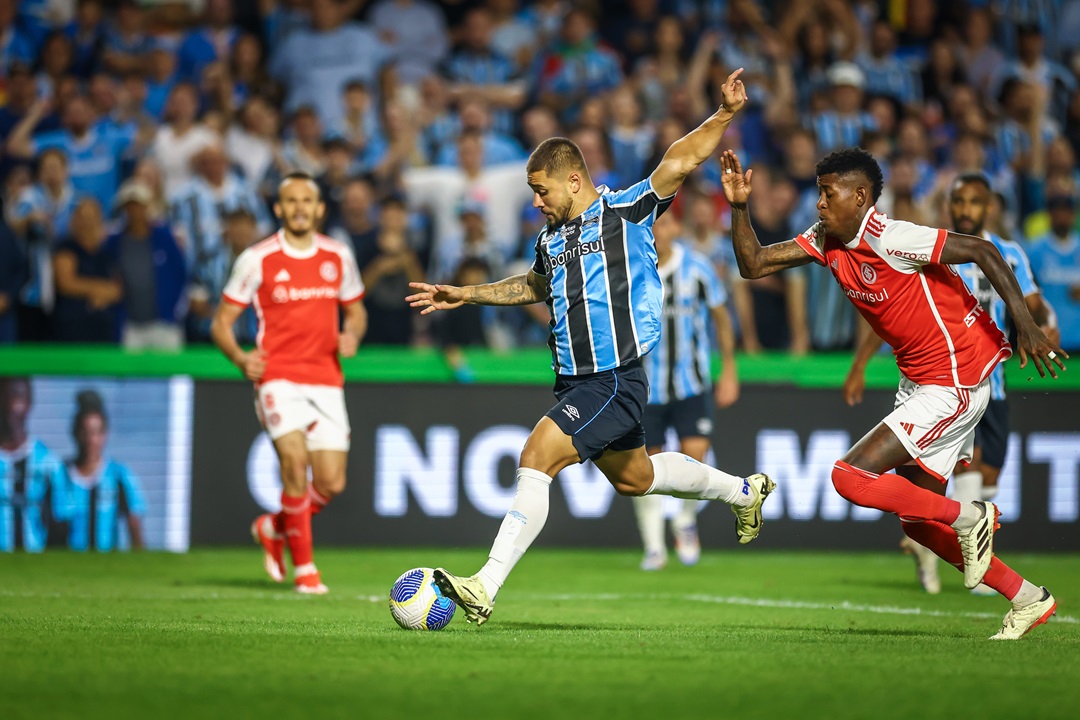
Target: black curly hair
{"type": "Point", "coordinates": [853, 160]}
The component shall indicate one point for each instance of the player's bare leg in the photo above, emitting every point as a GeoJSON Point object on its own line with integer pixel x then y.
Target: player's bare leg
{"type": "Point", "coordinates": [862, 476]}
{"type": "Point", "coordinates": [327, 478]}
{"type": "Point", "coordinates": [296, 508]}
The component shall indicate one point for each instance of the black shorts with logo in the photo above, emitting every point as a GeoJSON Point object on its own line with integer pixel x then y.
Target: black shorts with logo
{"type": "Point", "coordinates": [691, 417]}
{"type": "Point", "coordinates": [992, 433]}
{"type": "Point", "coordinates": [602, 411]}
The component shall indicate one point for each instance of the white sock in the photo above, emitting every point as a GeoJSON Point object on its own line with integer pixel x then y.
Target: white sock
{"type": "Point", "coordinates": [989, 492]}
{"type": "Point", "coordinates": [649, 510]}
{"type": "Point", "coordinates": [1027, 594]}
{"type": "Point", "coordinates": [684, 477]}
{"type": "Point", "coordinates": [522, 525]}
{"type": "Point", "coordinates": [967, 486]}
{"type": "Point", "coordinates": [969, 515]}
{"type": "Point", "coordinates": [687, 515]}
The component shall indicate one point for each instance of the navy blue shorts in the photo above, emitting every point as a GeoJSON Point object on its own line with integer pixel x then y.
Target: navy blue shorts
{"type": "Point", "coordinates": [691, 417]}
{"type": "Point", "coordinates": [992, 433]}
{"type": "Point", "coordinates": [602, 411]}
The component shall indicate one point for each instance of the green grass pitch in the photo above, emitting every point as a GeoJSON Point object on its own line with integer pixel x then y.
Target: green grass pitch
{"type": "Point", "coordinates": [575, 634]}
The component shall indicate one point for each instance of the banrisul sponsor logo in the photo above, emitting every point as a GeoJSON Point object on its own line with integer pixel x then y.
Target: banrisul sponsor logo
{"type": "Point", "coordinates": [576, 251]}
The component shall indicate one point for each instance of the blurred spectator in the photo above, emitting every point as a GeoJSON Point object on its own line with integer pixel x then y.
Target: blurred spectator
{"type": "Point", "coordinates": [499, 148]}
{"type": "Point", "coordinates": [578, 67]}
{"type": "Point", "coordinates": [126, 43]}
{"type": "Point", "coordinates": [17, 44]}
{"type": "Point", "coordinates": [900, 199]}
{"type": "Point", "coordinates": [247, 71]}
{"type": "Point", "coordinates": [630, 138]}
{"type": "Point", "coordinates": [1055, 260]}
{"type": "Point", "coordinates": [1012, 15]}
{"type": "Point", "coordinates": [198, 208]}
{"type": "Point", "coordinates": [546, 18]}
{"type": "Point", "coordinates": [88, 289]}
{"type": "Point", "coordinates": [821, 33]}
{"type": "Point", "coordinates": [148, 173]}
{"type": "Point", "coordinates": [94, 152]}
{"type": "Point", "coordinates": [631, 31]}
{"type": "Point", "coordinates": [253, 142]}
{"type": "Point", "coordinates": [87, 34]}
{"type": "Point", "coordinates": [160, 77]}
{"type": "Point", "coordinates": [180, 138]}
{"type": "Point", "coordinates": [153, 272]}
{"type": "Point", "coordinates": [355, 223]}
{"type": "Point", "coordinates": [105, 503]}
{"type": "Point", "coordinates": [1034, 68]}
{"type": "Point", "coordinates": [597, 153]}
{"type": "Point", "coordinates": [845, 122]}
{"type": "Point", "coordinates": [704, 232]}
{"type": "Point", "coordinates": [414, 35]}
{"type": "Point", "coordinates": [387, 276]}
{"type": "Point", "coordinates": [303, 151]}
{"type": "Point", "coordinates": [942, 74]}
{"type": "Point", "coordinates": [316, 62]}
{"type": "Point", "coordinates": [19, 96]}
{"type": "Point", "coordinates": [13, 271]}
{"type": "Point", "coordinates": [1024, 129]}
{"type": "Point", "coordinates": [442, 190]}
{"type": "Point", "coordinates": [339, 168]}
{"type": "Point", "coordinates": [34, 501]}
{"type": "Point", "coordinates": [511, 36]}
{"type": "Point", "coordinates": [468, 329]}
{"type": "Point", "coordinates": [359, 122]}
{"type": "Point", "coordinates": [477, 69]}
{"type": "Point", "coordinates": [473, 243]}
{"type": "Point", "coordinates": [539, 123]}
{"type": "Point", "coordinates": [55, 63]}
{"type": "Point", "coordinates": [981, 58]}
{"type": "Point", "coordinates": [212, 41]}
{"type": "Point", "coordinates": [885, 73]}
{"type": "Point", "coordinates": [239, 232]}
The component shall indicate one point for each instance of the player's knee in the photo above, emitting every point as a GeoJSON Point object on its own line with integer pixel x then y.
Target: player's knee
{"type": "Point", "coordinates": [331, 486]}
{"type": "Point", "coordinates": [294, 470]}
{"type": "Point", "coordinates": [631, 486]}
{"type": "Point", "coordinates": [845, 480]}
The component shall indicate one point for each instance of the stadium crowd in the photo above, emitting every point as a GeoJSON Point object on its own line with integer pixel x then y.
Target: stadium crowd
{"type": "Point", "coordinates": [141, 143]}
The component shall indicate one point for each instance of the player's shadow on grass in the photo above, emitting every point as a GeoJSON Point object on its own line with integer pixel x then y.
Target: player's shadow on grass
{"type": "Point", "coordinates": [521, 625]}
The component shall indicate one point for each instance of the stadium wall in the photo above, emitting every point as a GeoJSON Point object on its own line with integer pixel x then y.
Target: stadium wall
{"type": "Point", "coordinates": [433, 462]}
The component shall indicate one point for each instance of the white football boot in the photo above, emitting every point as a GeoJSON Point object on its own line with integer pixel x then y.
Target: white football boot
{"type": "Point", "coordinates": [467, 593]}
{"type": "Point", "coordinates": [748, 519]}
{"type": "Point", "coordinates": [977, 544]}
{"type": "Point", "coordinates": [1020, 621]}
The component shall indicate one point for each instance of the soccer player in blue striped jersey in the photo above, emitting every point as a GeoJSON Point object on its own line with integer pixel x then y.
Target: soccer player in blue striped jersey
{"type": "Point", "coordinates": [681, 392]}
{"type": "Point", "coordinates": [969, 203]}
{"type": "Point", "coordinates": [596, 269]}
{"type": "Point", "coordinates": [32, 497]}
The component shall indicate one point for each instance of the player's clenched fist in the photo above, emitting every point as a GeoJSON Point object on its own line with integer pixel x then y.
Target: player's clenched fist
{"type": "Point", "coordinates": [253, 365]}
{"type": "Point", "coordinates": [348, 344]}
{"type": "Point", "coordinates": [435, 297]}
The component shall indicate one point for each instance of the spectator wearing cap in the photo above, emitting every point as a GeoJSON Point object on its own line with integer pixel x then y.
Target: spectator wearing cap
{"type": "Point", "coordinates": [316, 62]}
{"type": "Point", "coordinates": [1033, 67]}
{"type": "Point", "coordinates": [95, 152]}
{"type": "Point", "coordinates": [211, 41]}
{"type": "Point", "coordinates": [199, 208]}
{"type": "Point", "coordinates": [1055, 260]}
{"type": "Point", "coordinates": [208, 279]}
{"type": "Point", "coordinates": [88, 287]}
{"type": "Point", "coordinates": [387, 276]}
{"type": "Point", "coordinates": [153, 272]}
{"type": "Point", "coordinates": [844, 124]}
{"type": "Point", "coordinates": [181, 137]}
{"type": "Point", "coordinates": [414, 33]}
{"type": "Point", "coordinates": [884, 72]}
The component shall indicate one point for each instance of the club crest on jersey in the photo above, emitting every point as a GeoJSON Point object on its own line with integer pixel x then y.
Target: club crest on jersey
{"type": "Point", "coordinates": [328, 271]}
{"type": "Point", "coordinates": [280, 294]}
{"type": "Point", "coordinates": [869, 274]}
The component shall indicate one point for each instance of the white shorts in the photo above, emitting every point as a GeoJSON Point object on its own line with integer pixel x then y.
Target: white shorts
{"type": "Point", "coordinates": [316, 410]}
{"type": "Point", "coordinates": [936, 424]}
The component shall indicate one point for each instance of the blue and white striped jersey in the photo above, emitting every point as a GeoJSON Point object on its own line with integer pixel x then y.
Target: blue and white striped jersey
{"type": "Point", "coordinates": [679, 367]}
{"type": "Point", "coordinates": [31, 496]}
{"type": "Point", "coordinates": [98, 507]}
{"type": "Point", "coordinates": [986, 295]}
{"type": "Point", "coordinates": [605, 291]}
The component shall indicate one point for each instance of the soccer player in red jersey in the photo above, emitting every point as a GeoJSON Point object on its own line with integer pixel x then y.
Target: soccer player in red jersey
{"type": "Point", "coordinates": [297, 280]}
{"type": "Point", "coordinates": [900, 278]}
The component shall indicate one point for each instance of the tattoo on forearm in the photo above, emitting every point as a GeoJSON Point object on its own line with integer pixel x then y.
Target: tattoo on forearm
{"type": "Point", "coordinates": [514, 290]}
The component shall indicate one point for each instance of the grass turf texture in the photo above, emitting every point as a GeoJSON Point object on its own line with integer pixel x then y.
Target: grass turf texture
{"type": "Point", "coordinates": [746, 634]}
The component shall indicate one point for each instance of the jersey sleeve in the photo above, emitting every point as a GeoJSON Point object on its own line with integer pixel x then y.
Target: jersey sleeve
{"type": "Point", "coordinates": [813, 243]}
{"type": "Point", "coordinates": [907, 246]}
{"type": "Point", "coordinates": [1018, 261]}
{"type": "Point", "coordinates": [244, 280]}
{"type": "Point", "coordinates": [639, 203]}
{"type": "Point", "coordinates": [352, 287]}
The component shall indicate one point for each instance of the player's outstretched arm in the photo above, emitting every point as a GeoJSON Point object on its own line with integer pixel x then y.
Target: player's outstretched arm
{"type": "Point", "coordinates": [694, 148]}
{"type": "Point", "coordinates": [754, 260]}
{"type": "Point", "coordinates": [959, 249]}
{"type": "Point", "coordinates": [516, 290]}
{"type": "Point", "coordinates": [855, 382]}
{"type": "Point", "coordinates": [252, 364]}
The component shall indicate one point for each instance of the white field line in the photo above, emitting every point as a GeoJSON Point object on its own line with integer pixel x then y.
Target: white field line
{"type": "Point", "coordinates": [843, 605]}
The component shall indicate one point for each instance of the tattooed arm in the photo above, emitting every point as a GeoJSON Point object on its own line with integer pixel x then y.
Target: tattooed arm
{"type": "Point", "coordinates": [516, 290]}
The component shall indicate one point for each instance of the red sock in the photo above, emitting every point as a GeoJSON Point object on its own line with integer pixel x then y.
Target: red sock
{"type": "Point", "coordinates": [318, 500]}
{"type": "Point", "coordinates": [297, 513]}
{"type": "Point", "coordinates": [279, 522]}
{"type": "Point", "coordinates": [942, 540]}
{"type": "Point", "coordinates": [892, 493]}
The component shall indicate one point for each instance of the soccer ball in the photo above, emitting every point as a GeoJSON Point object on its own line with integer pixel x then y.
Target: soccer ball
{"type": "Point", "coordinates": [417, 603]}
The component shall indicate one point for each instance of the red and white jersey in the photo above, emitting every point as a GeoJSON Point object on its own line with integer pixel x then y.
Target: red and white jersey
{"type": "Point", "coordinates": [892, 273]}
{"type": "Point", "coordinates": [296, 294]}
